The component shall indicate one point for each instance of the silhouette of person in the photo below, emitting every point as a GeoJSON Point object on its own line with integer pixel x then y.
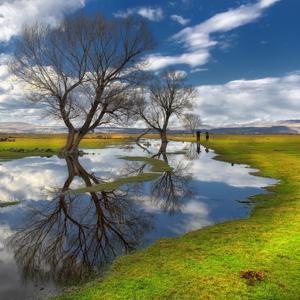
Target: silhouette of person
{"type": "Point", "coordinates": [207, 136]}
{"type": "Point", "coordinates": [198, 135]}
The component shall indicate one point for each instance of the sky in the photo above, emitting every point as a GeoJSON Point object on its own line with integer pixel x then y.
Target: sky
{"type": "Point", "coordinates": [242, 56]}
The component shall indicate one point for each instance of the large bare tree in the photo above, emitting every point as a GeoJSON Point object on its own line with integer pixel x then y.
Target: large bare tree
{"type": "Point", "coordinates": [167, 96]}
{"type": "Point", "coordinates": [85, 70]}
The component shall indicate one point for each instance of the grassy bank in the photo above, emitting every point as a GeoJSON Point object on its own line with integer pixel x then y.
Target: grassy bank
{"type": "Point", "coordinates": [30, 145]}
{"type": "Point", "coordinates": [253, 258]}
{"type": "Point", "coordinates": [157, 167]}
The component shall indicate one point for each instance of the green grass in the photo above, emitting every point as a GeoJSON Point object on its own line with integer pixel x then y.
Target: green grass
{"type": "Point", "coordinates": [8, 203]}
{"type": "Point", "coordinates": [29, 143]}
{"type": "Point", "coordinates": [214, 262]}
{"type": "Point", "coordinates": [157, 167]}
{"type": "Point", "coordinates": [109, 186]}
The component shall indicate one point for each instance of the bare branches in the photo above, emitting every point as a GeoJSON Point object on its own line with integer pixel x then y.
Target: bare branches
{"type": "Point", "coordinates": [191, 122]}
{"type": "Point", "coordinates": [85, 70]}
{"type": "Point", "coordinates": [167, 96]}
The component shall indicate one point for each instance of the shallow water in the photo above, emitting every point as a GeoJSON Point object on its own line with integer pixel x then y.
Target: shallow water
{"type": "Point", "coordinates": [52, 239]}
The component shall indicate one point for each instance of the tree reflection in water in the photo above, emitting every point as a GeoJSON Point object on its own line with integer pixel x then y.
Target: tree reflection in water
{"type": "Point", "coordinates": [192, 151]}
{"type": "Point", "coordinates": [171, 188]}
{"type": "Point", "coordinates": [75, 235]}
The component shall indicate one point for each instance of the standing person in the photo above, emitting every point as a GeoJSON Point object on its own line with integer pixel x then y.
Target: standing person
{"type": "Point", "coordinates": [207, 136]}
{"type": "Point", "coordinates": [198, 136]}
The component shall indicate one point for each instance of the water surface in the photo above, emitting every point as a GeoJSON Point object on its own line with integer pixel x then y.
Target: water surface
{"type": "Point", "coordinates": [53, 239]}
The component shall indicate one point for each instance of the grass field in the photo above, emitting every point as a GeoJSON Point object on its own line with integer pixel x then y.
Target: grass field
{"type": "Point", "coordinates": [37, 144]}
{"type": "Point", "coordinates": [253, 258]}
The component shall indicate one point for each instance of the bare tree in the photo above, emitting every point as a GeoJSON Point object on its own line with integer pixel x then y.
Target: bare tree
{"type": "Point", "coordinates": [85, 70]}
{"type": "Point", "coordinates": [167, 96]}
{"type": "Point", "coordinates": [191, 122]}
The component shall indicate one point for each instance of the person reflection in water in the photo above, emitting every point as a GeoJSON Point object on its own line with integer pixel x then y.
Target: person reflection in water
{"type": "Point", "coordinates": [198, 148]}
{"type": "Point", "coordinates": [207, 136]}
{"type": "Point", "coordinates": [73, 235]}
{"type": "Point", "coordinates": [198, 133]}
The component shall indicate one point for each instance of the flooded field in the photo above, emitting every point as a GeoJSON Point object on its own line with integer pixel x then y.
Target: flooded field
{"type": "Point", "coordinates": [71, 216]}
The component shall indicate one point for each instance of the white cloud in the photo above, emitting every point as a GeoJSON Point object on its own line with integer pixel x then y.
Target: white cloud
{"type": "Point", "coordinates": [153, 14]}
{"type": "Point", "coordinates": [150, 13]}
{"type": "Point", "coordinates": [241, 101]}
{"type": "Point", "coordinates": [267, 3]}
{"type": "Point", "coordinates": [198, 41]}
{"type": "Point", "coordinates": [13, 103]}
{"type": "Point", "coordinates": [13, 14]}
{"type": "Point", "coordinates": [179, 19]}
{"type": "Point", "coordinates": [196, 70]}
{"type": "Point", "coordinates": [235, 102]}
{"type": "Point", "coordinates": [193, 59]}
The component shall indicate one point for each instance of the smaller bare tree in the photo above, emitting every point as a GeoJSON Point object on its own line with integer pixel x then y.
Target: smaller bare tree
{"type": "Point", "coordinates": [167, 96]}
{"type": "Point", "coordinates": [191, 122]}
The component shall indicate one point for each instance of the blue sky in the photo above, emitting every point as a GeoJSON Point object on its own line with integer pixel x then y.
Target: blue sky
{"type": "Point", "coordinates": [266, 46]}
{"type": "Point", "coordinates": [243, 56]}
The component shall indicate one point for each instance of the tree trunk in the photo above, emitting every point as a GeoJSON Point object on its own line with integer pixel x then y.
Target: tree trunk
{"type": "Point", "coordinates": [163, 149]}
{"type": "Point", "coordinates": [163, 137]}
{"type": "Point", "coordinates": [73, 140]}
{"type": "Point", "coordinates": [76, 169]}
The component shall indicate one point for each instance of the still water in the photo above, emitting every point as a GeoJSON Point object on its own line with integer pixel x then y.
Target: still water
{"type": "Point", "coordinates": [53, 238]}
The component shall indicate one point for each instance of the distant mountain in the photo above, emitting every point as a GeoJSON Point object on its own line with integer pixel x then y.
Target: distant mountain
{"type": "Point", "coordinates": [293, 124]}
{"type": "Point", "coordinates": [278, 127]}
{"type": "Point", "coordinates": [255, 130]}
{"type": "Point", "coordinates": [292, 121]}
